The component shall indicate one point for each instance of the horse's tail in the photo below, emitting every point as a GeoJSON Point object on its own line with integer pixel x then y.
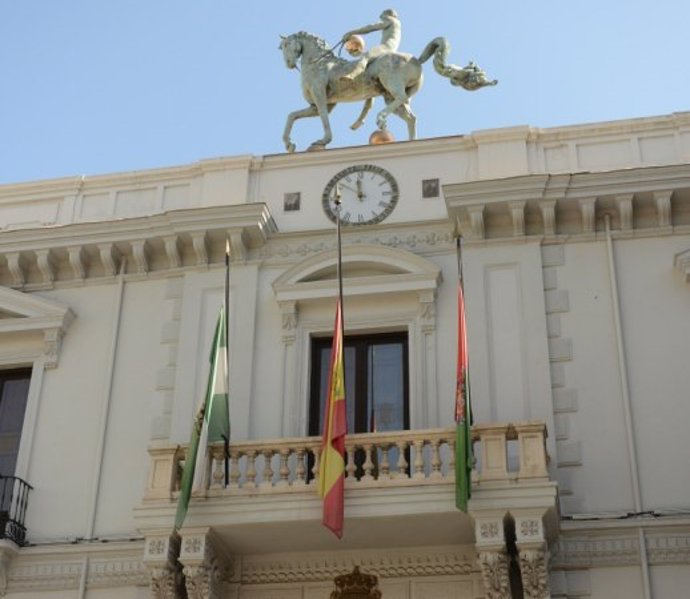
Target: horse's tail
{"type": "Point", "coordinates": [470, 77]}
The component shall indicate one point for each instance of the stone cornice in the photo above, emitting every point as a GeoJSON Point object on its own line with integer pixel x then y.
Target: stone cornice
{"type": "Point", "coordinates": [639, 199]}
{"type": "Point", "coordinates": [43, 257]}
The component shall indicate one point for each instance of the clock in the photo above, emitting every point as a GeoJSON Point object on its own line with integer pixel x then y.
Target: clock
{"type": "Point", "coordinates": [367, 195]}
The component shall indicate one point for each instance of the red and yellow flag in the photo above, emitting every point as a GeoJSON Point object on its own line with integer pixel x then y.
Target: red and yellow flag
{"type": "Point", "coordinates": [332, 466]}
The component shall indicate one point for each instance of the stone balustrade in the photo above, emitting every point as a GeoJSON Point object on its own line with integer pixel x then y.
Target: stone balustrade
{"type": "Point", "coordinates": [504, 454]}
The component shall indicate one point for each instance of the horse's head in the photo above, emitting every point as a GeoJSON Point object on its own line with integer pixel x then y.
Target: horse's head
{"type": "Point", "coordinates": [292, 50]}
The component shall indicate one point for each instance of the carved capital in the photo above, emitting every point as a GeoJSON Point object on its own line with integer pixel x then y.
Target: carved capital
{"type": "Point", "coordinates": [535, 573]}
{"type": "Point", "coordinates": [494, 569]}
{"type": "Point", "coordinates": [207, 569]}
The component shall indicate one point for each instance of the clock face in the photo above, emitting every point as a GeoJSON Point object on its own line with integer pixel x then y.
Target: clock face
{"type": "Point", "coordinates": [367, 194]}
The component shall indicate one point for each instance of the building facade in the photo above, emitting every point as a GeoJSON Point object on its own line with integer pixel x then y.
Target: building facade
{"type": "Point", "coordinates": [576, 268]}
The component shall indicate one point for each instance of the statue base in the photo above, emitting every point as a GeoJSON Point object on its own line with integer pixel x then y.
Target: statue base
{"type": "Point", "coordinates": [381, 136]}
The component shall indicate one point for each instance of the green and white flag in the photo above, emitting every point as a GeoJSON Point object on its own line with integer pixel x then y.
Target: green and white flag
{"type": "Point", "coordinates": [211, 423]}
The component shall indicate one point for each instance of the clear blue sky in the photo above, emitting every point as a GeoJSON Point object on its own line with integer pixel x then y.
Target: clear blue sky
{"type": "Point", "coordinates": [91, 87]}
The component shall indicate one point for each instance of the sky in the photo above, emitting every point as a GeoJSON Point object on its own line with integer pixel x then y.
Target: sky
{"type": "Point", "coordinates": [90, 87]}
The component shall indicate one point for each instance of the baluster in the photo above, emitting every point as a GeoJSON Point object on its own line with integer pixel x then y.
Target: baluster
{"type": "Point", "coordinates": [384, 466]}
{"type": "Point", "coordinates": [301, 471]}
{"type": "Point", "coordinates": [218, 477]}
{"type": "Point", "coordinates": [402, 462]}
{"type": "Point", "coordinates": [368, 464]}
{"type": "Point", "coordinates": [315, 469]}
{"type": "Point", "coordinates": [234, 482]}
{"type": "Point", "coordinates": [350, 468]}
{"type": "Point", "coordinates": [418, 471]}
{"type": "Point", "coordinates": [250, 482]}
{"type": "Point", "coordinates": [435, 459]}
{"type": "Point", "coordinates": [267, 476]}
{"type": "Point", "coordinates": [284, 469]}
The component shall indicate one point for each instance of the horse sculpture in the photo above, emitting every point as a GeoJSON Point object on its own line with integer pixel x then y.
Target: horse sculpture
{"type": "Point", "coordinates": [395, 76]}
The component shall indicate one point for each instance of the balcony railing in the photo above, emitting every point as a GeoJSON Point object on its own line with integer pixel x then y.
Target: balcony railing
{"type": "Point", "coordinates": [504, 453]}
{"type": "Point", "coordinates": [14, 495]}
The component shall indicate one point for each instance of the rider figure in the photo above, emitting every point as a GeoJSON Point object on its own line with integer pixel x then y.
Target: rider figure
{"type": "Point", "coordinates": [390, 40]}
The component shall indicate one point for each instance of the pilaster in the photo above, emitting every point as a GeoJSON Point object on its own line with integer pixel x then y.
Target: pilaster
{"type": "Point", "coordinates": [492, 556]}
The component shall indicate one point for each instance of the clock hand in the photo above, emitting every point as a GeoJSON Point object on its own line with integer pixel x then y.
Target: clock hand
{"type": "Point", "coordinates": [347, 187]}
{"type": "Point", "coordinates": [360, 194]}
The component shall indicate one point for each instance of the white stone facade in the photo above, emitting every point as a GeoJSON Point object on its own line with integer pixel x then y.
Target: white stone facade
{"type": "Point", "coordinates": [576, 262]}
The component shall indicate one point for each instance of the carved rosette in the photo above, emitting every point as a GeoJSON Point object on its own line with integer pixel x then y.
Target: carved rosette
{"type": "Point", "coordinates": [534, 571]}
{"type": "Point", "coordinates": [494, 568]}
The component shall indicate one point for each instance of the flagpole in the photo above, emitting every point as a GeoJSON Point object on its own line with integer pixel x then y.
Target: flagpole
{"type": "Point", "coordinates": [226, 301]}
{"type": "Point", "coordinates": [339, 267]}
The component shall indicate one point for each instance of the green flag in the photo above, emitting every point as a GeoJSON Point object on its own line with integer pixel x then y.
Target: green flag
{"type": "Point", "coordinates": [463, 415]}
{"type": "Point", "coordinates": [211, 423]}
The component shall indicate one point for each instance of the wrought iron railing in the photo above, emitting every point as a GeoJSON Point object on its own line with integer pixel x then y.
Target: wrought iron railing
{"type": "Point", "coordinates": [14, 495]}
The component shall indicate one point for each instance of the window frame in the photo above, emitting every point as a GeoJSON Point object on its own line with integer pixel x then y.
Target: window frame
{"type": "Point", "coordinates": [361, 343]}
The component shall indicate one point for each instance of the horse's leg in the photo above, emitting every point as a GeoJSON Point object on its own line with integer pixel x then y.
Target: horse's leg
{"type": "Point", "coordinates": [323, 109]}
{"type": "Point", "coordinates": [368, 103]}
{"type": "Point", "coordinates": [292, 117]}
{"type": "Point", "coordinates": [395, 89]}
{"type": "Point", "coordinates": [406, 114]}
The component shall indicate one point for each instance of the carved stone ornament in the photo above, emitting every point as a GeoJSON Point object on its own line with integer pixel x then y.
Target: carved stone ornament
{"type": "Point", "coordinates": [356, 585]}
{"type": "Point", "coordinates": [167, 583]}
{"type": "Point", "coordinates": [494, 567]}
{"type": "Point", "coordinates": [534, 571]}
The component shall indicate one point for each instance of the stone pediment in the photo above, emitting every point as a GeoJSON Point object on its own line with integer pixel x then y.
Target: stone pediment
{"type": "Point", "coordinates": [22, 313]}
{"type": "Point", "coordinates": [367, 269]}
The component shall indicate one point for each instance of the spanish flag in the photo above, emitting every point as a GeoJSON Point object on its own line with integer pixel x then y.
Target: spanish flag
{"type": "Point", "coordinates": [332, 466]}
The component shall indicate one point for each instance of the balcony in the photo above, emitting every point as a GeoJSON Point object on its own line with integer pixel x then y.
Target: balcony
{"type": "Point", "coordinates": [14, 495]}
{"type": "Point", "coordinates": [399, 488]}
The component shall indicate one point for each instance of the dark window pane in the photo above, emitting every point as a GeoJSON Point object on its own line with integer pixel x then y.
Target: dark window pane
{"type": "Point", "coordinates": [14, 390]}
{"type": "Point", "coordinates": [375, 382]}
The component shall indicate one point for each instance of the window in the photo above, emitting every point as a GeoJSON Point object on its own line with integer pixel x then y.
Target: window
{"type": "Point", "coordinates": [14, 390]}
{"type": "Point", "coordinates": [376, 382]}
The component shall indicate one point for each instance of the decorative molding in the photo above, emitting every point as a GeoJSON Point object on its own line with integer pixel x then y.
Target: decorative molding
{"type": "Point", "coordinates": [494, 569]}
{"type": "Point", "coordinates": [419, 241]}
{"type": "Point", "coordinates": [8, 550]}
{"type": "Point", "coordinates": [150, 244]}
{"type": "Point", "coordinates": [317, 568]}
{"type": "Point", "coordinates": [590, 552]}
{"type": "Point", "coordinates": [53, 576]}
{"type": "Point", "coordinates": [570, 202]}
